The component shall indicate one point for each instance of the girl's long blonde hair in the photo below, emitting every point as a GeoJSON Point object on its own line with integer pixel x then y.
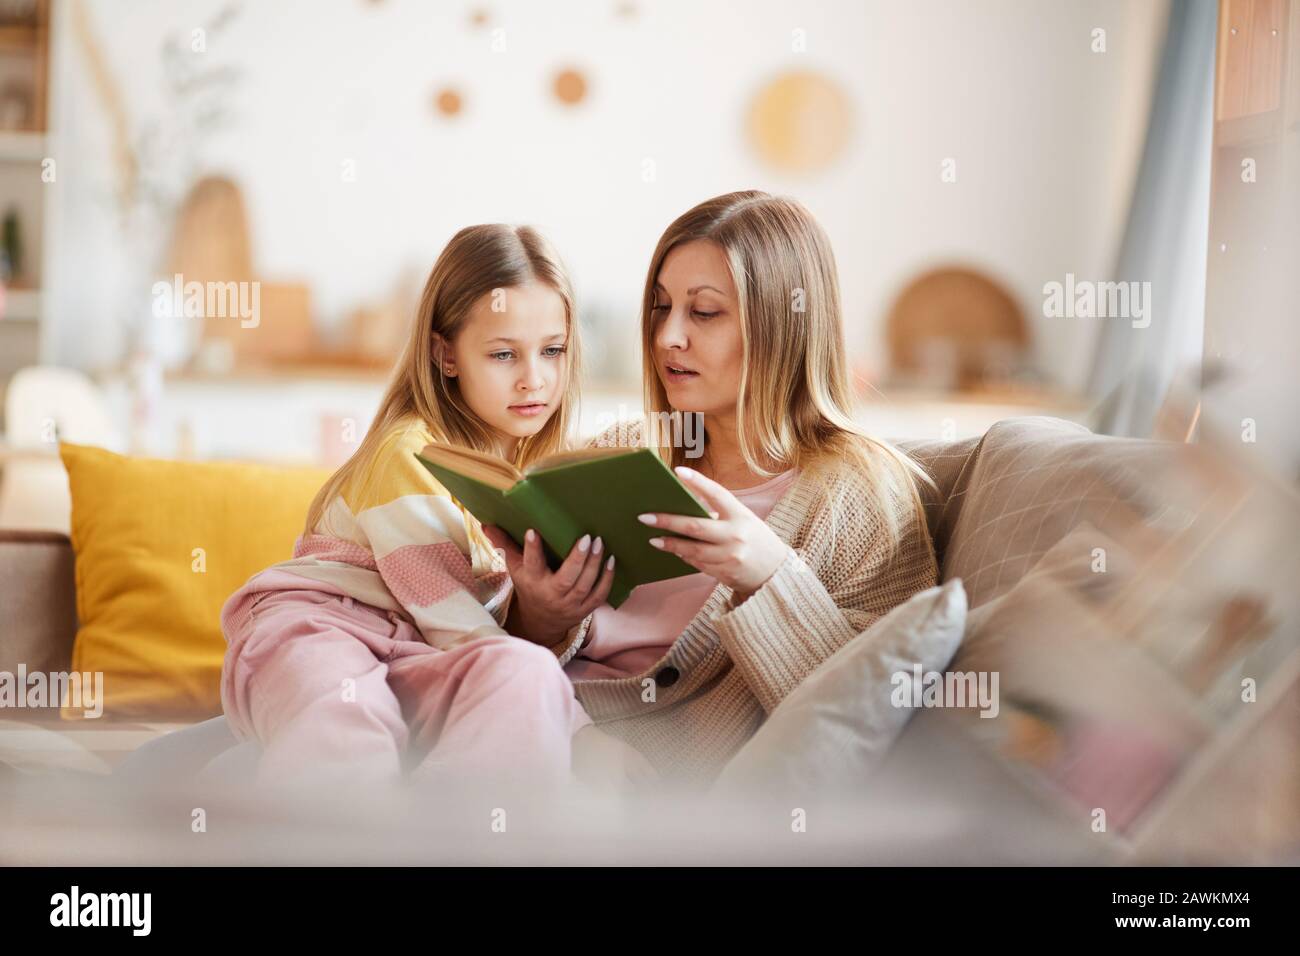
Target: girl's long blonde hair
{"type": "Point", "coordinates": [477, 260]}
{"type": "Point", "coordinates": [795, 407]}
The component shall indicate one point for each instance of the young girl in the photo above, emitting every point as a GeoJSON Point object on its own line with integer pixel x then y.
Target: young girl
{"type": "Point", "coordinates": [818, 528]}
{"type": "Point", "coordinates": [381, 645]}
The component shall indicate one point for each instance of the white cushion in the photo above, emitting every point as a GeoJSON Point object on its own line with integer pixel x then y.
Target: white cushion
{"type": "Point", "coordinates": [835, 727]}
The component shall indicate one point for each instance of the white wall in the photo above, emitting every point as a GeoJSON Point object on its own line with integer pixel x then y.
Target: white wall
{"type": "Point", "coordinates": [1046, 134]}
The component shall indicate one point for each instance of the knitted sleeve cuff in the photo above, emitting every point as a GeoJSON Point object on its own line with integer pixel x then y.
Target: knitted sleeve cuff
{"type": "Point", "coordinates": [572, 642]}
{"type": "Point", "coordinates": [499, 605]}
{"type": "Point", "coordinates": [784, 631]}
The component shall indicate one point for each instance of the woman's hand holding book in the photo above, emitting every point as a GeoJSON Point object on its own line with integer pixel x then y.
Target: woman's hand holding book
{"type": "Point", "coordinates": [735, 546]}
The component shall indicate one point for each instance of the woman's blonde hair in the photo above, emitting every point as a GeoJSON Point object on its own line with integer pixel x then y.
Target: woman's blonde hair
{"type": "Point", "coordinates": [795, 407]}
{"type": "Point", "coordinates": [477, 260]}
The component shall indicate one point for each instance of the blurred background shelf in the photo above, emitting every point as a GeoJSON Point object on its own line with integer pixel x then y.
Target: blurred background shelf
{"type": "Point", "coordinates": [20, 305]}
{"type": "Point", "coordinates": [24, 146]}
{"type": "Point", "coordinates": [21, 147]}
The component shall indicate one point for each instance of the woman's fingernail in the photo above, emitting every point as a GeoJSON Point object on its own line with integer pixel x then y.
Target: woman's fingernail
{"type": "Point", "coordinates": [529, 535]}
{"type": "Point", "coordinates": [596, 546]}
{"type": "Point", "coordinates": [684, 471]}
{"type": "Point", "coordinates": [584, 543]}
{"type": "Point", "coordinates": [609, 565]}
{"type": "Point", "coordinates": [647, 519]}
{"type": "Point", "coordinates": [713, 514]}
{"type": "Point", "coordinates": [656, 542]}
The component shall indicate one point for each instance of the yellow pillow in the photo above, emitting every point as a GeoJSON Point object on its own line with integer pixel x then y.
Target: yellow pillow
{"type": "Point", "coordinates": [160, 546]}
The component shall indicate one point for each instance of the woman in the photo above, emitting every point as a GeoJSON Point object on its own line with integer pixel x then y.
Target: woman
{"type": "Point", "coordinates": [818, 528]}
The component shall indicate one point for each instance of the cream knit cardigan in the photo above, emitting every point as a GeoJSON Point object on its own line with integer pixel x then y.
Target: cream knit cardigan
{"type": "Point", "coordinates": [730, 667]}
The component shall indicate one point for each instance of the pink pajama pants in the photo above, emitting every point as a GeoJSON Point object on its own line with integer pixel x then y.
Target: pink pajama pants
{"type": "Point", "coordinates": [337, 688]}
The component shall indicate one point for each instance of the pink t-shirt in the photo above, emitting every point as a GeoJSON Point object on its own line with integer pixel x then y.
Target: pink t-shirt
{"type": "Point", "coordinates": [629, 641]}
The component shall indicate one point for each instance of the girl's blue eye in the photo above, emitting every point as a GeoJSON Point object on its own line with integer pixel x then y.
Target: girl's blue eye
{"type": "Point", "coordinates": [550, 351]}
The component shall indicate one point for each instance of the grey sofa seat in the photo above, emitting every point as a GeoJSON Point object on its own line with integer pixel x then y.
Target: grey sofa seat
{"type": "Point", "coordinates": [209, 746]}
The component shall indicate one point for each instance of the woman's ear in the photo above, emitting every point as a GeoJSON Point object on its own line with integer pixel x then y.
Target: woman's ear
{"type": "Point", "coordinates": [442, 355]}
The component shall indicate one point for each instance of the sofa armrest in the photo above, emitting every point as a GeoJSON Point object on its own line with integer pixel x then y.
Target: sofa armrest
{"type": "Point", "coordinates": [38, 598]}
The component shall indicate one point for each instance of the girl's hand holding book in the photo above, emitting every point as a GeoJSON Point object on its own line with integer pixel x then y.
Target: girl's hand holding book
{"type": "Point", "coordinates": [734, 546]}
{"type": "Point", "coordinates": [548, 604]}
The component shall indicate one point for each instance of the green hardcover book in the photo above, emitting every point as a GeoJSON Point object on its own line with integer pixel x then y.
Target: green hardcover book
{"type": "Point", "coordinates": [596, 491]}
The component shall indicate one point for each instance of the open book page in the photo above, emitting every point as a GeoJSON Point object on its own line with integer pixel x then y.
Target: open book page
{"type": "Point", "coordinates": [561, 459]}
{"type": "Point", "coordinates": [481, 466]}
{"type": "Point", "coordinates": [499, 473]}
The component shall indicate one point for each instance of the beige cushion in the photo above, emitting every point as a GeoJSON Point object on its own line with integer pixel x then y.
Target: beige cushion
{"type": "Point", "coordinates": [947, 463]}
{"type": "Point", "coordinates": [1029, 482]}
{"type": "Point", "coordinates": [835, 727]}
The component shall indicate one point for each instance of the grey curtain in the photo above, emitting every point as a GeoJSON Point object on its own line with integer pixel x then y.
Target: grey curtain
{"type": "Point", "coordinates": [1167, 233]}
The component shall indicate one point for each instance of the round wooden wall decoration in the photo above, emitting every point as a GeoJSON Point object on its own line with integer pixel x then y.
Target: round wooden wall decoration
{"type": "Point", "coordinates": [800, 121]}
{"type": "Point", "coordinates": [570, 87]}
{"type": "Point", "coordinates": [448, 102]}
{"type": "Point", "coordinates": [958, 327]}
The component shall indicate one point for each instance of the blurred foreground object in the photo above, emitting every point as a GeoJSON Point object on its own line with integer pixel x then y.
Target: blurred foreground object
{"type": "Point", "coordinates": [1150, 666]}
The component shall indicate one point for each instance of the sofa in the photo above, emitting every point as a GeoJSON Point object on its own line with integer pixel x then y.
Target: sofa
{"type": "Point", "coordinates": [1000, 502]}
